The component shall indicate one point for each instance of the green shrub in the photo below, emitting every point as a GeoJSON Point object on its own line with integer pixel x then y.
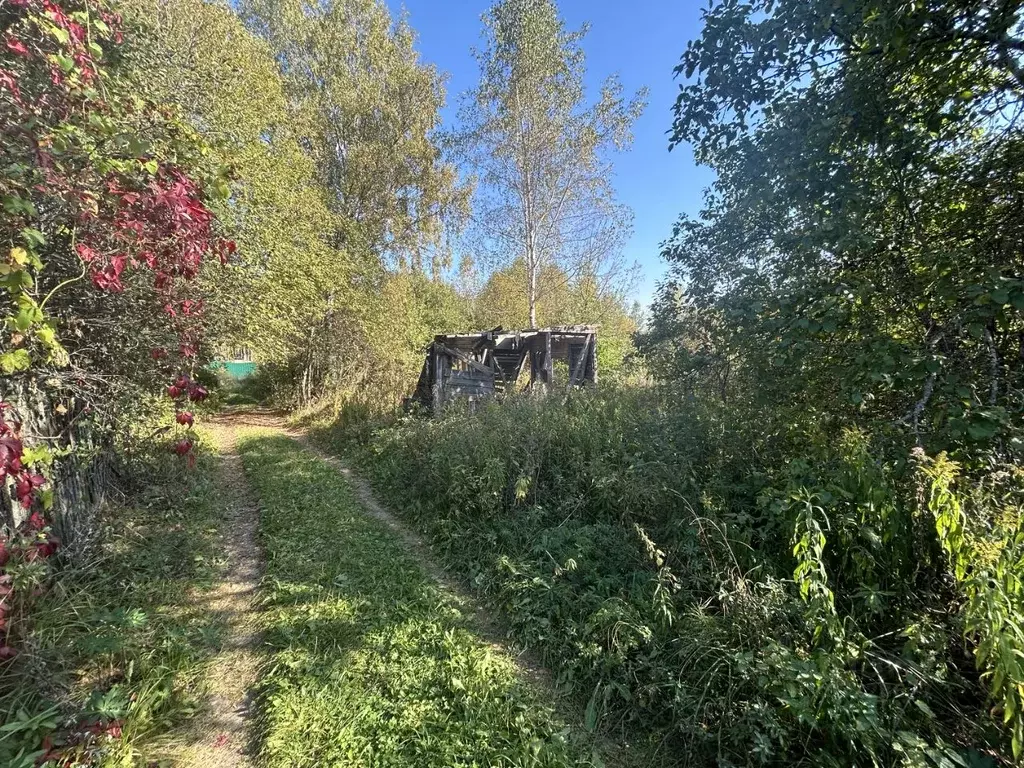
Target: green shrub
{"type": "Point", "coordinates": [747, 591]}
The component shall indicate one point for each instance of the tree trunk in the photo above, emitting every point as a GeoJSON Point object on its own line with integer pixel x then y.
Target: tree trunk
{"type": "Point", "coordinates": [531, 267]}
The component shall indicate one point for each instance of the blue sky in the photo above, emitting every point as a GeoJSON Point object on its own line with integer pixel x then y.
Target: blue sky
{"type": "Point", "coordinates": [641, 41]}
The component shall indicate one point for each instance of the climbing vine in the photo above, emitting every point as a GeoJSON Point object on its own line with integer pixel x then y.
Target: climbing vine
{"type": "Point", "coordinates": [103, 193]}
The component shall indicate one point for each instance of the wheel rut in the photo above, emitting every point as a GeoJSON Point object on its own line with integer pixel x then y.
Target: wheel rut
{"type": "Point", "coordinates": [221, 737]}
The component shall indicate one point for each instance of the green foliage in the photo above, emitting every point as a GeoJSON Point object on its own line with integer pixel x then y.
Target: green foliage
{"type": "Point", "coordinates": [367, 358]}
{"type": "Point", "coordinates": [852, 255]}
{"type": "Point", "coordinates": [690, 578]}
{"type": "Point", "coordinates": [96, 253]}
{"type": "Point", "coordinates": [119, 644]}
{"type": "Point", "coordinates": [371, 662]}
{"type": "Point", "coordinates": [367, 110]}
{"type": "Point", "coordinates": [199, 56]}
{"type": "Point", "coordinates": [989, 569]}
{"type": "Point", "coordinates": [849, 289]}
{"type": "Point", "coordinates": [540, 153]}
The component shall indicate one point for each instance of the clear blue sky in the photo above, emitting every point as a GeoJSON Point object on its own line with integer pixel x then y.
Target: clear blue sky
{"type": "Point", "coordinates": [640, 41]}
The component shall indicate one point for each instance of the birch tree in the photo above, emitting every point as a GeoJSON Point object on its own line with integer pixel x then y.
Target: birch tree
{"type": "Point", "coordinates": [541, 154]}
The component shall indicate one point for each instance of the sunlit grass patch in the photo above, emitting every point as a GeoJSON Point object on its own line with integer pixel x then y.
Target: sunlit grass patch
{"type": "Point", "coordinates": [372, 664]}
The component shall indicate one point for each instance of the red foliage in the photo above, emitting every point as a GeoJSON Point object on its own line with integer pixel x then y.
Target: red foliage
{"type": "Point", "coordinates": [11, 448]}
{"type": "Point", "coordinates": [146, 217]}
{"type": "Point", "coordinates": [134, 225]}
{"type": "Point", "coordinates": [163, 226]}
{"type": "Point", "coordinates": [32, 541]}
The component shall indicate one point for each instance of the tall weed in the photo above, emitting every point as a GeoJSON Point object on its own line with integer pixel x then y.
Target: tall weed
{"type": "Point", "coordinates": [745, 591]}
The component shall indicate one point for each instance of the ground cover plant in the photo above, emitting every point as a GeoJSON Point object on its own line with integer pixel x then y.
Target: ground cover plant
{"type": "Point", "coordinates": [112, 651]}
{"type": "Point", "coordinates": [686, 571]}
{"type": "Point", "coordinates": [370, 662]}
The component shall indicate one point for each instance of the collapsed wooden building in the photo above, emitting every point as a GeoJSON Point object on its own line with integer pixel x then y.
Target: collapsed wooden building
{"type": "Point", "coordinates": [474, 366]}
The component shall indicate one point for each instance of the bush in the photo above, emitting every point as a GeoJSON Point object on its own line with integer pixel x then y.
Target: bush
{"type": "Point", "coordinates": [746, 591]}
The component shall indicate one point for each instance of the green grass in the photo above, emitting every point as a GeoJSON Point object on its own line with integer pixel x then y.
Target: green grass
{"type": "Point", "coordinates": [120, 638]}
{"type": "Point", "coordinates": [372, 665]}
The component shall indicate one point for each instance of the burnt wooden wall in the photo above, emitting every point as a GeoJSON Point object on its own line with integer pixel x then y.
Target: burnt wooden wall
{"type": "Point", "coordinates": [474, 366]}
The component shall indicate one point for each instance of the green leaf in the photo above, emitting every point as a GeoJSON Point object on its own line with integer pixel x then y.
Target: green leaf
{"type": "Point", "coordinates": [137, 147]}
{"type": "Point", "coordinates": [924, 708]}
{"type": "Point", "coordinates": [15, 204]}
{"type": "Point", "coordinates": [65, 62]}
{"type": "Point", "coordinates": [14, 361]}
{"type": "Point", "coordinates": [222, 189]}
{"type": "Point", "coordinates": [23, 320]}
{"type": "Point", "coordinates": [33, 237]}
{"type": "Point", "coordinates": [62, 35]}
{"type": "Point", "coordinates": [590, 717]}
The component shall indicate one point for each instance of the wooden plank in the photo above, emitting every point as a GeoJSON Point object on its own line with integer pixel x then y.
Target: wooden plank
{"type": "Point", "coordinates": [471, 377]}
{"type": "Point", "coordinates": [439, 376]}
{"type": "Point", "coordinates": [464, 358]}
{"type": "Point", "coordinates": [591, 370]}
{"type": "Point", "coordinates": [522, 366]}
{"type": "Point", "coordinates": [542, 367]}
{"type": "Point", "coordinates": [580, 363]}
{"type": "Point", "coordinates": [549, 362]}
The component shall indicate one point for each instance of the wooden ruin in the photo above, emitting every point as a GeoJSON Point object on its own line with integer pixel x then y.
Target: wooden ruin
{"type": "Point", "coordinates": [474, 366]}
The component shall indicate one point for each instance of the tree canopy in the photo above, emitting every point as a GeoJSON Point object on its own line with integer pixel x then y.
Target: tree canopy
{"type": "Point", "coordinates": [367, 111]}
{"type": "Point", "coordinates": [201, 57]}
{"type": "Point", "coordinates": [857, 251]}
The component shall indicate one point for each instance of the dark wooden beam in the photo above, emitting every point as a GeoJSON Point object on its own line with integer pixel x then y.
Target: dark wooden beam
{"type": "Point", "coordinates": [580, 363]}
{"type": "Point", "coordinates": [464, 358]}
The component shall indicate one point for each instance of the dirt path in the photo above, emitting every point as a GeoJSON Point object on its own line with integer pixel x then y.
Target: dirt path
{"type": "Point", "coordinates": [220, 737]}
{"type": "Point", "coordinates": [224, 740]}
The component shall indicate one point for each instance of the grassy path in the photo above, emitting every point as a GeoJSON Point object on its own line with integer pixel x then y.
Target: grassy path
{"type": "Point", "coordinates": [373, 663]}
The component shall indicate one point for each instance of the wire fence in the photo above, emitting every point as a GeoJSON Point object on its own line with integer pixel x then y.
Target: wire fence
{"type": "Point", "coordinates": [83, 471]}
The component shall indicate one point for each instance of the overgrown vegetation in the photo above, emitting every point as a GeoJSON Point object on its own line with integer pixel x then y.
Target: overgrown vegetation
{"type": "Point", "coordinates": [800, 544]}
{"type": "Point", "coordinates": [371, 663]}
{"type": "Point", "coordinates": [112, 651]}
{"type": "Point", "coordinates": [746, 592]}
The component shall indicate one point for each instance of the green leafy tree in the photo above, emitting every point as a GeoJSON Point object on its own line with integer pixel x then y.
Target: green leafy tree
{"type": "Point", "coordinates": [199, 56]}
{"type": "Point", "coordinates": [541, 153]}
{"type": "Point", "coordinates": [858, 254]}
{"type": "Point", "coordinates": [851, 298]}
{"type": "Point", "coordinates": [367, 110]}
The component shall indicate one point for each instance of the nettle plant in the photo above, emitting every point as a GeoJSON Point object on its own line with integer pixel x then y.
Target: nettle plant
{"type": "Point", "coordinates": [98, 186]}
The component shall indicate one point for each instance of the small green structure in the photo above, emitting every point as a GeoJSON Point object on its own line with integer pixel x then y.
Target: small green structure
{"type": "Point", "coordinates": [237, 366]}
